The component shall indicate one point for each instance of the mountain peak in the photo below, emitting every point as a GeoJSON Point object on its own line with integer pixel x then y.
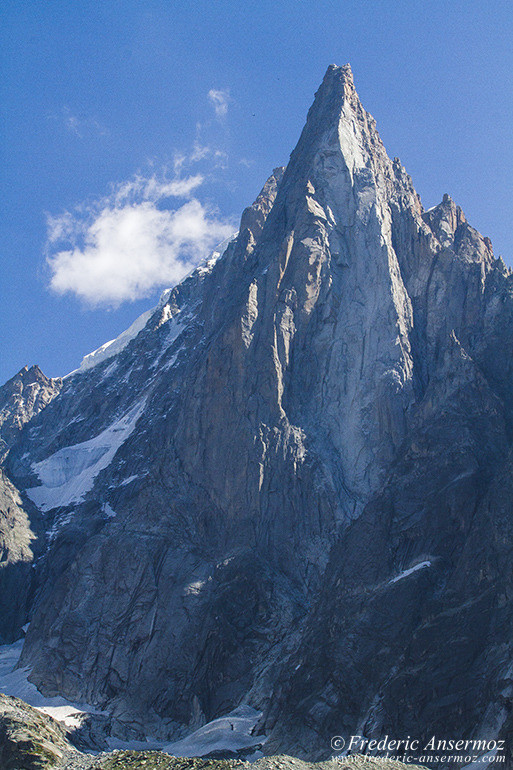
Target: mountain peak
{"type": "Point", "coordinates": [21, 398]}
{"type": "Point", "coordinates": [317, 415]}
{"type": "Point", "coordinates": [337, 77]}
{"type": "Point", "coordinates": [337, 87]}
{"type": "Point", "coordinates": [337, 125]}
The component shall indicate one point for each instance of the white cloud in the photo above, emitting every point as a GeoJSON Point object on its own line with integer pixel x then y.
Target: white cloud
{"type": "Point", "coordinates": [179, 159]}
{"type": "Point", "coordinates": [125, 245]}
{"type": "Point", "coordinates": [154, 189]}
{"type": "Point", "coordinates": [219, 100]}
{"type": "Point", "coordinates": [199, 152]}
{"type": "Point", "coordinates": [73, 124]}
{"type": "Point", "coordinates": [81, 126]}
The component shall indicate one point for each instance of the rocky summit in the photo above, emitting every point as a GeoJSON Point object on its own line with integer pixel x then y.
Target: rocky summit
{"type": "Point", "coordinates": [289, 486]}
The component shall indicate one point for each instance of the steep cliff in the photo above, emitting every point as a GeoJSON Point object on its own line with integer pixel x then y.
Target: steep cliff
{"type": "Point", "coordinates": [21, 398]}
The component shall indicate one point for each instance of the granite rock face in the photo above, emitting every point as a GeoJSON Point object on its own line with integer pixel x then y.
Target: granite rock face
{"type": "Point", "coordinates": [291, 488]}
{"type": "Point", "coordinates": [19, 546]}
{"type": "Point", "coordinates": [22, 397]}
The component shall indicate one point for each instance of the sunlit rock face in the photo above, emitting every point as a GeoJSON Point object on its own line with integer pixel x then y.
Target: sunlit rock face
{"type": "Point", "coordinates": [21, 398]}
{"type": "Point", "coordinates": [291, 487]}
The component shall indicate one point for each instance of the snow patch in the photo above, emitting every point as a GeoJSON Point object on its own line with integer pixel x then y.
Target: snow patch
{"type": "Point", "coordinates": [195, 587]}
{"type": "Point", "coordinates": [207, 266]}
{"type": "Point", "coordinates": [14, 681]}
{"type": "Point", "coordinates": [172, 361]}
{"type": "Point", "coordinates": [176, 326]}
{"type": "Point", "coordinates": [128, 480]}
{"type": "Point", "coordinates": [60, 521]}
{"type": "Point", "coordinates": [108, 511]}
{"type": "Point", "coordinates": [69, 474]}
{"type": "Point", "coordinates": [230, 733]}
{"type": "Point", "coordinates": [115, 346]}
{"type": "Point", "coordinates": [110, 370]}
{"type": "Point", "coordinates": [410, 571]}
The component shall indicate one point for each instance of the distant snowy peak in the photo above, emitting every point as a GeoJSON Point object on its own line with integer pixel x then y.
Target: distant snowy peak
{"type": "Point", "coordinates": [115, 346]}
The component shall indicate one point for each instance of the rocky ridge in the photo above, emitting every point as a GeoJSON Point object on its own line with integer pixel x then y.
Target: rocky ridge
{"type": "Point", "coordinates": [22, 397]}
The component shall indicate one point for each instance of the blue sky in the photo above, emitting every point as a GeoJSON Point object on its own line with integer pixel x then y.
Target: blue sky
{"type": "Point", "coordinates": [125, 122]}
